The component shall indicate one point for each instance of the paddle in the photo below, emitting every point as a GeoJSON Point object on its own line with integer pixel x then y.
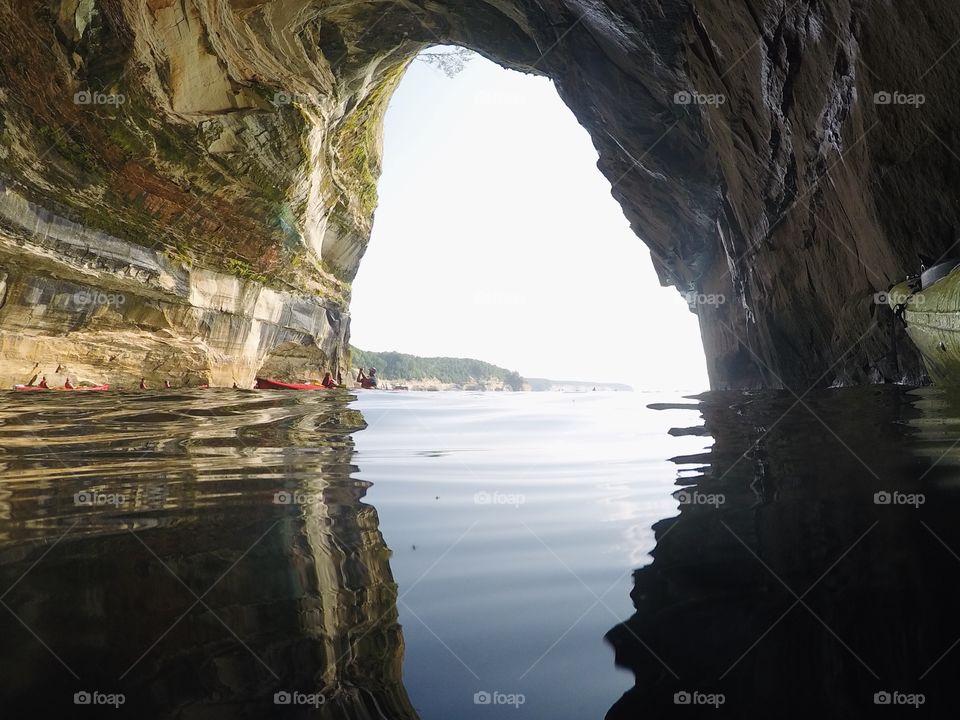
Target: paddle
{"type": "Point", "coordinates": [32, 380]}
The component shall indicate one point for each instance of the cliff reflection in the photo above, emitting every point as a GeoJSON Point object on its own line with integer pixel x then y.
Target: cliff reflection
{"type": "Point", "coordinates": [226, 556]}
{"type": "Point", "coordinates": [804, 593]}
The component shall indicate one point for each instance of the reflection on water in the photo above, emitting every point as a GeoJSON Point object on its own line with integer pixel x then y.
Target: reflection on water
{"type": "Point", "coordinates": [200, 553]}
{"type": "Point", "coordinates": [827, 584]}
{"type": "Point", "coordinates": [197, 554]}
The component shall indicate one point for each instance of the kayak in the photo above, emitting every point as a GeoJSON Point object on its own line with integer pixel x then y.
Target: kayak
{"type": "Point", "coordinates": [268, 384]}
{"type": "Point", "coordinates": [930, 311]}
{"type": "Point", "coordinates": [81, 388]}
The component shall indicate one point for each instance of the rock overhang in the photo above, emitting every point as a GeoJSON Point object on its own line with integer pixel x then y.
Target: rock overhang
{"type": "Point", "coordinates": [243, 139]}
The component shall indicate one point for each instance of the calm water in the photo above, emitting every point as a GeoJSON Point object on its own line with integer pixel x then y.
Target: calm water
{"type": "Point", "coordinates": [445, 555]}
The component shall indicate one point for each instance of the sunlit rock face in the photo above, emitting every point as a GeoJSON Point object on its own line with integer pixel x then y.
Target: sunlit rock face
{"type": "Point", "coordinates": [150, 148]}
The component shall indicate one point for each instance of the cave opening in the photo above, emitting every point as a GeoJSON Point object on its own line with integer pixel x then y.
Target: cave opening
{"type": "Point", "coordinates": [496, 237]}
{"type": "Point", "coordinates": [215, 157]}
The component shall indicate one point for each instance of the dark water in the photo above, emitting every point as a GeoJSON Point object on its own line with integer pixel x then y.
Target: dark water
{"type": "Point", "coordinates": [446, 556]}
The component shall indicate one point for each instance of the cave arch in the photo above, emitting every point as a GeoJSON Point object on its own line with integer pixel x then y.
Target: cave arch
{"type": "Point", "coordinates": [215, 161]}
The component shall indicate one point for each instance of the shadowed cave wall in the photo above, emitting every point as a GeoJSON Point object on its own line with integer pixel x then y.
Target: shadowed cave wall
{"type": "Point", "coordinates": [188, 187]}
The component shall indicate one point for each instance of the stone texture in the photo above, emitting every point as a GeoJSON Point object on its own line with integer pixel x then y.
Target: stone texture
{"type": "Point", "coordinates": [248, 145]}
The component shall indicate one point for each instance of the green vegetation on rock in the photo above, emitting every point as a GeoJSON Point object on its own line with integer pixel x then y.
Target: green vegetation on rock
{"type": "Point", "coordinates": [68, 149]}
{"type": "Point", "coordinates": [243, 270]}
{"type": "Point", "coordinates": [358, 142]}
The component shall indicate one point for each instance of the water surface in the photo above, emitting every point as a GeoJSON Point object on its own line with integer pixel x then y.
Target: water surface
{"type": "Point", "coordinates": [457, 555]}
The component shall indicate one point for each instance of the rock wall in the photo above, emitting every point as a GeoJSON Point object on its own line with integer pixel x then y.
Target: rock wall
{"type": "Point", "coordinates": [792, 158]}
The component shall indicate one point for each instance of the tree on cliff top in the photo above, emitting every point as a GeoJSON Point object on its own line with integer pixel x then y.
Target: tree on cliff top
{"type": "Point", "coordinates": [401, 366]}
{"type": "Point", "coordinates": [450, 60]}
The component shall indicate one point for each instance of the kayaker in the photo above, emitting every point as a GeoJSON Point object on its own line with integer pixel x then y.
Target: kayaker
{"type": "Point", "coordinates": [43, 382]}
{"type": "Point", "coordinates": [166, 384]}
{"type": "Point", "coordinates": [328, 382]}
{"type": "Point", "coordinates": [367, 381]}
{"type": "Point", "coordinates": [143, 384]}
{"type": "Point", "coordinates": [67, 385]}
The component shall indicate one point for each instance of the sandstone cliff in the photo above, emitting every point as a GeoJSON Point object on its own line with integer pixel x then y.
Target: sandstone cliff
{"type": "Point", "coordinates": [214, 163]}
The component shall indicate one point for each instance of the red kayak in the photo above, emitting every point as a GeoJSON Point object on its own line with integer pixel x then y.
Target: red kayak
{"type": "Point", "coordinates": [268, 384]}
{"type": "Point", "coordinates": [81, 388]}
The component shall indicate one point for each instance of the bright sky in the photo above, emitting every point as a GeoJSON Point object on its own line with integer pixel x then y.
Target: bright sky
{"type": "Point", "coordinates": [497, 238]}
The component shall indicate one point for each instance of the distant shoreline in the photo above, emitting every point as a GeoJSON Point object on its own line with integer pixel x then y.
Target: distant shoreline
{"type": "Point", "coordinates": [402, 371]}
